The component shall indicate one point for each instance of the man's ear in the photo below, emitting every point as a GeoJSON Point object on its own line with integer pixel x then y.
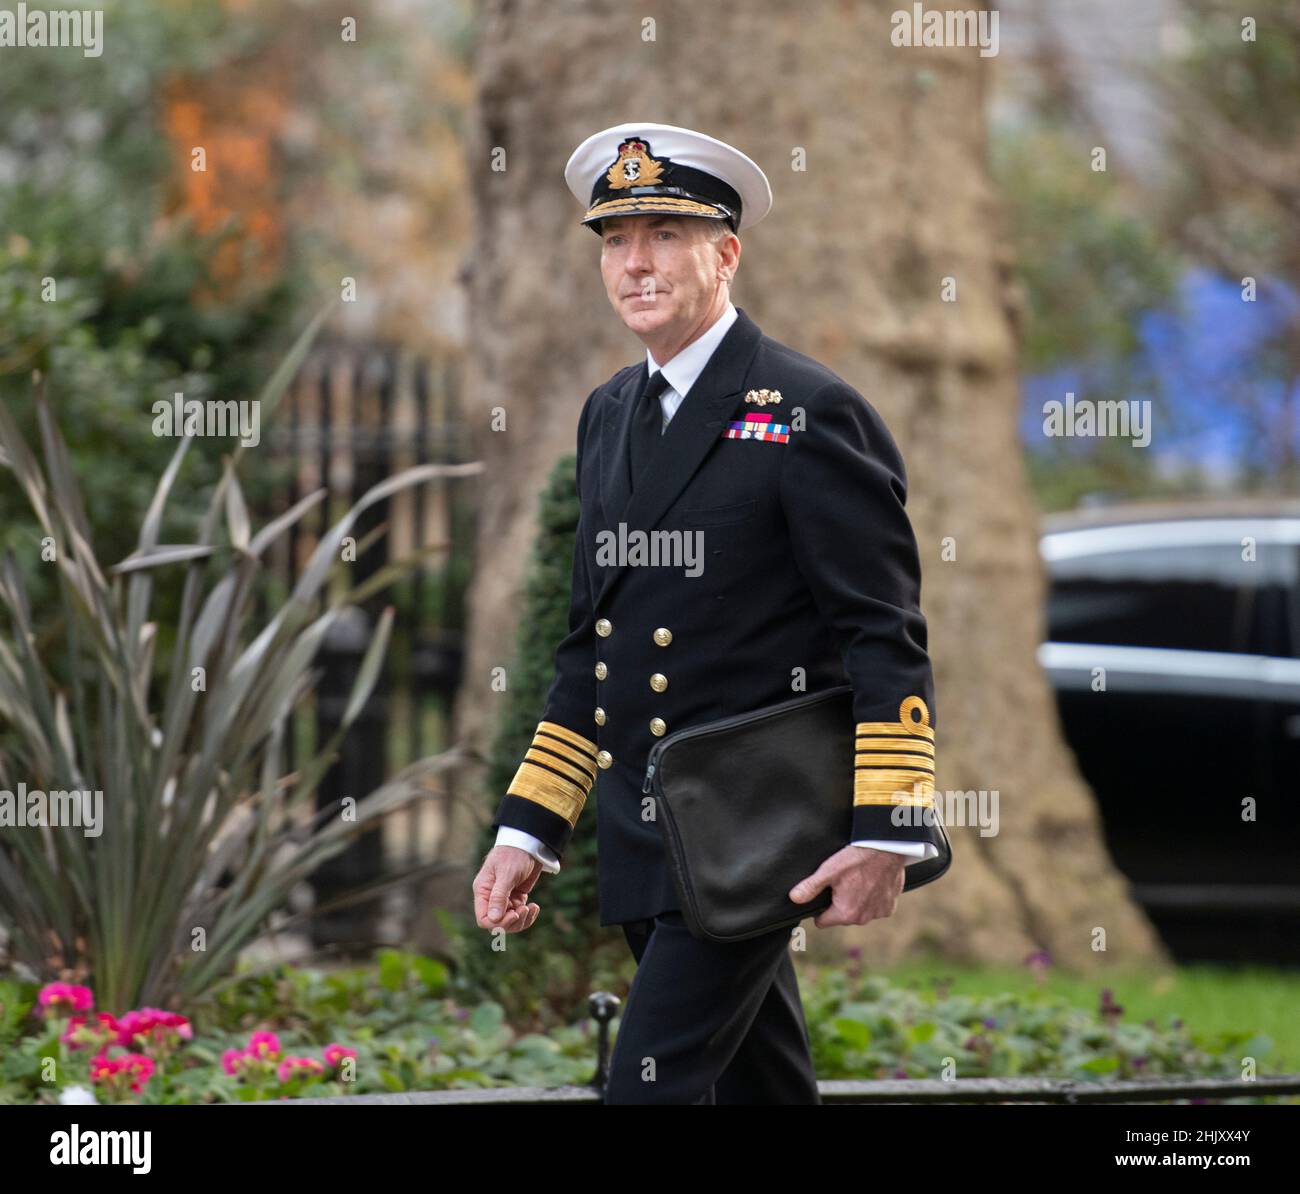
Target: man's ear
{"type": "Point", "coordinates": [729, 274]}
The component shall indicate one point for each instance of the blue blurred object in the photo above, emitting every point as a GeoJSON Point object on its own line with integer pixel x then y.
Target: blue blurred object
{"type": "Point", "coordinates": [1215, 369]}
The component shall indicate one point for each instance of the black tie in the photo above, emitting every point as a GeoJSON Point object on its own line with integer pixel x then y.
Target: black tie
{"type": "Point", "coordinates": [647, 424]}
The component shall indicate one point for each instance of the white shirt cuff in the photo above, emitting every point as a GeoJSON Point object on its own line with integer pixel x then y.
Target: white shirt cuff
{"type": "Point", "coordinates": [534, 846]}
{"type": "Point", "coordinates": [917, 851]}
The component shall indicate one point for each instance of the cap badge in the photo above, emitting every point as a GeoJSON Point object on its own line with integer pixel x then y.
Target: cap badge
{"type": "Point", "coordinates": [763, 397]}
{"type": "Point", "coordinates": [635, 167]}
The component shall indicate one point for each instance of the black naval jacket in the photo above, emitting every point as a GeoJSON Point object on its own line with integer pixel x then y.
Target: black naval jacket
{"type": "Point", "coordinates": [808, 562]}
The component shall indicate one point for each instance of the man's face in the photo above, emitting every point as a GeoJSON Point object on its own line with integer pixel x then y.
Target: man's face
{"type": "Point", "coordinates": [659, 270]}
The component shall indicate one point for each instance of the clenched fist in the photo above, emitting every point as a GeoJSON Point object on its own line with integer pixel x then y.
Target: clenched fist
{"type": "Point", "coordinates": [501, 890]}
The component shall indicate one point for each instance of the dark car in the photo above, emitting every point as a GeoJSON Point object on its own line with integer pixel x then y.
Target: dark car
{"type": "Point", "coordinates": [1174, 650]}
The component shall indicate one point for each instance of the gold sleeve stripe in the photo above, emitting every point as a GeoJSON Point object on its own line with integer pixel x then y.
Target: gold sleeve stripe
{"type": "Point", "coordinates": [920, 762]}
{"type": "Point", "coordinates": [894, 760]}
{"type": "Point", "coordinates": [557, 771]}
{"type": "Point", "coordinates": [562, 750]}
{"type": "Point", "coordinates": [548, 789]}
{"type": "Point", "coordinates": [886, 742]}
{"type": "Point", "coordinates": [892, 787]}
{"type": "Point", "coordinates": [551, 729]}
{"type": "Point", "coordinates": [579, 776]}
{"type": "Point", "coordinates": [906, 724]}
{"type": "Point", "coordinates": [895, 727]}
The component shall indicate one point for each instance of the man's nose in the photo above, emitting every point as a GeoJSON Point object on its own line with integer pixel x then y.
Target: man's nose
{"type": "Point", "coordinates": [638, 258]}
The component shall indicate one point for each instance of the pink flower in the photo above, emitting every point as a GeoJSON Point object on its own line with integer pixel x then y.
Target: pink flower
{"type": "Point", "coordinates": [64, 996]}
{"type": "Point", "coordinates": [133, 1023]}
{"type": "Point", "coordinates": [153, 1024]}
{"type": "Point", "coordinates": [131, 1069]}
{"type": "Point", "coordinates": [264, 1046]}
{"type": "Point", "coordinates": [292, 1067]}
{"type": "Point", "coordinates": [335, 1053]}
{"type": "Point", "coordinates": [257, 1057]}
{"type": "Point", "coordinates": [81, 1031]}
{"type": "Point", "coordinates": [140, 1067]}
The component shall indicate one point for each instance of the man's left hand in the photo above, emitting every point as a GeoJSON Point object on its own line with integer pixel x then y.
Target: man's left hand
{"type": "Point", "coordinates": [865, 885]}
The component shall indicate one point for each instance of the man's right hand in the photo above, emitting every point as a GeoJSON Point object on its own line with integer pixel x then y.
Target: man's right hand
{"type": "Point", "coordinates": [502, 886]}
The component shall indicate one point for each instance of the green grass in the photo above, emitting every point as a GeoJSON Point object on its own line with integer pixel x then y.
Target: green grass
{"type": "Point", "coordinates": [1209, 999]}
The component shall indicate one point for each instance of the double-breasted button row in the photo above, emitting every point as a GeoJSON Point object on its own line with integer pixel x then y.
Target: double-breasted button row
{"type": "Point", "coordinates": [662, 636]}
{"type": "Point", "coordinates": [603, 627]}
{"type": "Point", "coordinates": [659, 682]}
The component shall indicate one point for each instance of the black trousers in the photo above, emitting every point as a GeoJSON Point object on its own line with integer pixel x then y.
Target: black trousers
{"type": "Point", "coordinates": [707, 1023]}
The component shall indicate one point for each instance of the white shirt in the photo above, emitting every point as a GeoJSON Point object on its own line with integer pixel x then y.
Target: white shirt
{"type": "Point", "coordinates": [681, 373]}
{"type": "Point", "coordinates": [688, 364]}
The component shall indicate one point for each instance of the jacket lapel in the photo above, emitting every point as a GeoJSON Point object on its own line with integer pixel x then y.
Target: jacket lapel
{"type": "Point", "coordinates": [615, 477]}
{"type": "Point", "coordinates": [691, 432]}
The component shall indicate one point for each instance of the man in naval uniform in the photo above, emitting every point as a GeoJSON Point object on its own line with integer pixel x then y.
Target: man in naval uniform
{"type": "Point", "coordinates": [808, 578]}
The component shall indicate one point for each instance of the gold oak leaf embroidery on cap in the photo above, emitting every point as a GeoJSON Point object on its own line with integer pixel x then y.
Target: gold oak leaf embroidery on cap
{"type": "Point", "coordinates": [634, 167]}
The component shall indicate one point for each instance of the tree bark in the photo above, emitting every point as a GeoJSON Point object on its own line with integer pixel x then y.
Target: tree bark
{"type": "Point", "coordinates": [876, 155]}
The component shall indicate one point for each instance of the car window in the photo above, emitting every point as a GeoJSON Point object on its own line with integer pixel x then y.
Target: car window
{"type": "Point", "coordinates": [1165, 586]}
{"type": "Point", "coordinates": [1190, 615]}
{"type": "Point", "coordinates": [1270, 630]}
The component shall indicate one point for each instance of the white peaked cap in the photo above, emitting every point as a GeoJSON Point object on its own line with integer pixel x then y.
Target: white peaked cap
{"type": "Point", "coordinates": [632, 169]}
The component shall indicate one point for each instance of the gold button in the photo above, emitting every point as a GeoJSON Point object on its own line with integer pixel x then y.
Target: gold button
{"type": "Point", "coordinates": [658, 681]}
{"type": "Point", "coordinates": [604, 758]}
{"type": "Point", "coordinates": [603, 627]}
{"type": "Point", "coordinates": [600, 716]}
{"type": "Point", "coordinates": [601, 670]}
{"type": "Point", "coordinates": [657, 726]}
{"type": "Point", "coordinates": [663, 636]}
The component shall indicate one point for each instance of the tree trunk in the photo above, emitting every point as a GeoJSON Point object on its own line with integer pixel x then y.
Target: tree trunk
{"type": "Point", "coordinates": [876, 156]}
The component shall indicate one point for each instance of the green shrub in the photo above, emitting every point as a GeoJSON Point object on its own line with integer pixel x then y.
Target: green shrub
{"type": "Point", "coordinates": [415, 1025]}
{"type": "Point", "coordinates": [203, 833]}
{"type": "Point", "coordinates": [548, 971]}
